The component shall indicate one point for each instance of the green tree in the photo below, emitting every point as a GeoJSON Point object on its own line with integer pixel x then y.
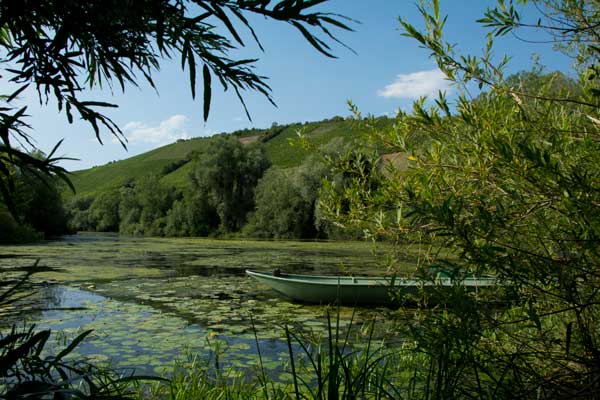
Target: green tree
{"type": "Point", "coordinates": [143, 207]}
{"type": "Point", "coordinates": [228, 171]}
{"type": "Point", "coordinates": [130, 211]}
{"type": "Point", "coordinates": [506, 183]}
{"type": "Point", "coordinates": [281, 209]}
{"type": "Point", "coordinates": [12, 231]}
{"type": "Point", "coordinates": [38, 204]}
{"type": "Point", "coordinates": [193, 215]}
{"type": "Point", "coordinates": [287, 200]}
{"type": "Point", "coordinates": [354, 174]}
{"type": "Point", "coordinates": [104, 211]}
{"type": "Point", "coordinates": [78, 214]}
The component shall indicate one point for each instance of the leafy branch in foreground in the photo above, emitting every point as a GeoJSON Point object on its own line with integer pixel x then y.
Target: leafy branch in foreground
{"type": "Point", "coordinates": [61, 48]}
{"type": "Point", "coordinates": [506, 183]}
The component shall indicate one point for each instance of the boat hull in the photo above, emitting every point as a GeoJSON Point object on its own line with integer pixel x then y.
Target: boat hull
{"type": "Point", "coordinates": [318, 292]}
{"type": "Point", "coordinates": [350, 290]}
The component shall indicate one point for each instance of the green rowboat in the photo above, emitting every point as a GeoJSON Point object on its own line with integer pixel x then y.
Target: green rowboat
{"type": "Point", "coordinates": [355, 290]}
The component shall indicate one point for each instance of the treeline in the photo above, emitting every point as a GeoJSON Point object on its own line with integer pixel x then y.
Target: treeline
{"type": "Point", "coordinates": [232, 189]}
{"type": "Point", "coordinates": [38, 207]}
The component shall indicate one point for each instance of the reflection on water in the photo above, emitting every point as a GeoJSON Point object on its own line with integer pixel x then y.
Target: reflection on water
{"type": "Point", "coordinates": [66, 304]}
{"type": "Point", "coordinates": [149, 300]}
{"type": "Point", "coordinates": [55, 296]}
{"type": "Point", "coordinates": [42, 302]}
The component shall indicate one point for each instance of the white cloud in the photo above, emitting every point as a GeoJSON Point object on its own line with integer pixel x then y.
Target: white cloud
{"type": "Point", "coordinates": [416, 84]}
{"type": "Point", "coordinates": [166, 131]}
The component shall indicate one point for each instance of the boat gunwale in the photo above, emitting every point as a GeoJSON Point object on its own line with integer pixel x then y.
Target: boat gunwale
{"type": "Point", "coordinates": [383, 282]}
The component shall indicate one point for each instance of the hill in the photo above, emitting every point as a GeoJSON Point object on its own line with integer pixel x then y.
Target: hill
{"type": "Point", "coordinates": [172, 161]}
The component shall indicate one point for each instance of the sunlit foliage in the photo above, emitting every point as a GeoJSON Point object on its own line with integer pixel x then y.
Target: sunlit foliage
{"type": "Point", "coordinates": [508, 180]}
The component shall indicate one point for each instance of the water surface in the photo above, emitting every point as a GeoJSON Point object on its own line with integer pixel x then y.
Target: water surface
{"type": "Point", "coordinates": [149, 300]}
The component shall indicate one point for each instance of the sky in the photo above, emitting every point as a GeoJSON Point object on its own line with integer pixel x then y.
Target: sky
{"type": "Point", "coordinates": [385, 72]}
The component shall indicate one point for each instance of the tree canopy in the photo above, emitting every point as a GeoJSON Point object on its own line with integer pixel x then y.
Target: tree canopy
{"type": "Point", "coordinates": [228, 172]}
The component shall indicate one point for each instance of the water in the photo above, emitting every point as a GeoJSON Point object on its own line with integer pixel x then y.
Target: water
{"type": "Point", "coordinates": [149, 301]}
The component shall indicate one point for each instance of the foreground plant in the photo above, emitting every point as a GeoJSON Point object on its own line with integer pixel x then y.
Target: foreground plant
{"type": "Point", "coordinates": [508, 181]}
{"type": "Point", "coordinates": [336, 366]}
{"type": "Point", "coordinates": [28, 370]}
{"type": "Point", "coordinates": [334, 369]}
{"type": "Point", "coordinates": [204, 379]}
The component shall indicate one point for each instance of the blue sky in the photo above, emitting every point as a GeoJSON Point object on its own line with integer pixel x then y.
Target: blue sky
{"type": "Point", "coordinates": [387, 72]}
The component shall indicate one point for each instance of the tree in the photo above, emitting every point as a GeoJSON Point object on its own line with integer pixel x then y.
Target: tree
{"type": "Point", "coordinates": [78, 211]}
{"type": "Point", "coordinates": [14, 232]}
{"type": "Point", "coordinates": [506, 183]}
{"type": "Point", "coordinates": [59, 48]}
{"type": "Point", "coordinates": [104, 211]}
{"type": "Point", "coordinates": [38, 203]}
{"type": "Point", "coordinates": [143, 207]}
{"type": "Point", "coordinates": [347, 193]}
{"type": "Point", "coordinates": [282, 210]}
{"type": "Point", "coordinates": [193, 215]}
{"type": "Point", "coordinates": [228, 171]}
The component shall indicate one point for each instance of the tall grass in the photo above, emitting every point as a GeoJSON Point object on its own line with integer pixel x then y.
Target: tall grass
{"type": "Point", "coordinates": [320, 368]}
{"type": "Point", "coordinates": [334, 369]}
{"type": "Point", "coordinates": [200, 378]}
{"type": "Point", "coordinates": [206, 378]}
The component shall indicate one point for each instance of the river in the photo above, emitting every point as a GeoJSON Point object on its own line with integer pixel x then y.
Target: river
{"type": "Point", "coordinates": [152, 300]}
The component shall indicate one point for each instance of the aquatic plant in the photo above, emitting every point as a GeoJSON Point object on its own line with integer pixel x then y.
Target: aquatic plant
{"type": "Point", "coordinates": [317, 368]}
{"type": "Point", "coordinates": [205, 378]}
{"type": "Point", "coordinates": [26, 371]}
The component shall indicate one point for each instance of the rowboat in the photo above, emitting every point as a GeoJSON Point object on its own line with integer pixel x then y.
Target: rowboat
{"type": "Point", "coordinates": [356, 290]}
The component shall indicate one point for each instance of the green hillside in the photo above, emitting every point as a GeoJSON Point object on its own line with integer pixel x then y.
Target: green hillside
{"type": "Point", "coordinates": [171, 161]}
{"type": "Point", "coordinates": [282, 154]}
{"type": "Point", "coordinates": [117, 173]}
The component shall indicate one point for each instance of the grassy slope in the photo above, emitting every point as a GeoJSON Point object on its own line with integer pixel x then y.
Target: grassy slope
{"type": "Point", "coordinates": [281, 153]}
{"type": "Point", "coordinates": [284, 155]}
{"type": "Point", "coordinates": [98, 179]}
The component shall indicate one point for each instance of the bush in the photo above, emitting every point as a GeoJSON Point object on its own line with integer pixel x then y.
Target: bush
{"type": "Point", "coordinates": [13, 232]}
